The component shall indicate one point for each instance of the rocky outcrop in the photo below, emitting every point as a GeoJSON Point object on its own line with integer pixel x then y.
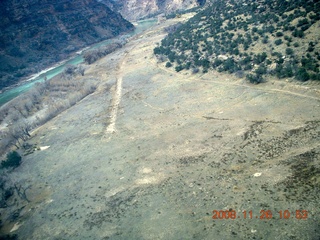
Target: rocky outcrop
{"type": "Point", "coordinates": [136, 9]}
{"type": "Point", "coordinates": [36, 33]}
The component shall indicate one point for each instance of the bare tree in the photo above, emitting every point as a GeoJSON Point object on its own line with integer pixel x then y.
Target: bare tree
{"type": "Point", "coordinates": [28, 104]}
{"type": "Point", "coordinates": [7, 187]}
{"type": "Point", "coordinates": [25, 126]}
{"type": "Point", "coordinates": [70, 69]}
{"type": "Point", "coordinates": [22, 191]}
{"type": "Point", "coordinates": [20, 132]}
{"type": "Point", "coordinates": [53, 96]}
{"type": "Point", "coordinates": [81, 70]}
{"type": "Point", "coordinates": [6, 191]}
{"type": "Point", "coordinates": [91, 56]}
{"type": "Point", "coordinates": [13, 115]}
{"type": "Point", "coordinates": [15, 134]}
{"type": "Point", "coordinates": [34, 95]}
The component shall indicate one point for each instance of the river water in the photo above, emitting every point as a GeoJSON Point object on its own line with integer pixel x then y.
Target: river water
{"type": "Point", "coordinates": [11, 93]}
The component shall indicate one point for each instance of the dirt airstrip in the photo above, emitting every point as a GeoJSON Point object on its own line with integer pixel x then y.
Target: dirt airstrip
{"type": "Point", "coordinates": [152, 153]}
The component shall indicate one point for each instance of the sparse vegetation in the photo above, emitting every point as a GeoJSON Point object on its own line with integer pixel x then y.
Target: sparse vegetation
{"type": "Point", "coordinates": [249, 36]}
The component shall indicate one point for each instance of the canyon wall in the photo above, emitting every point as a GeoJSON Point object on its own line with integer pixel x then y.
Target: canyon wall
{"type": "Point", "coordinates": [37, 33]}
{"type": "Point", "coordinates": [136, 9]}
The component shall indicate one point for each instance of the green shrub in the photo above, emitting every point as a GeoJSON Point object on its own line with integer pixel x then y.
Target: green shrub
{"type": "Point", "coordinates": [217, 62]}
{"type": "Point", "coordinates": [260, 58]}
{"type": "Point", "coordinates": [278, 42]}
{"type": "Point", "coordinates": [157, 50]}
{"type": "Point", "coordinates": [315, 76]}
{"type": "Point", "coordinates": [302, 75]}
{"type": "Point", "coordinates": [302, 22]}
{"type": "Point", "coordinates": [268, 62]}
{"type": "Point", "coordinates": [247, 67]}
{"type": "Point", "coordinates": [179, 68]}
{"type": "Point", "coordinates": [188, 65]}
{"type": "Point", "coordinates": [289, 39]}
{"type": "Point", "coordinates": [310, 49]}
{"type": "Point", "coordinates": [13, 160]}
{"type": "Point", "coordinates": [255, 79]}
{"type": "Point", "coordinates": [230, 65]}
{"type": "Point", "coordinates": [296, 44]}
{"type": "Point", "coordinates": [305, 27]}
{"type": "Point", "coordinates": [261, 70]}
{"type": "Point", "coordinates": [168, 64]}
{"type": "Point", "coordinates": [298, 33]}
{"type": "Point", "coordinates": [284, 71]}
{"type": "Point", "coordinates": [265, 40]}
{"type": "Point", "coordinates": [289, 51]}
{"type": "Point", "coordinates": [195, 70]}
{"type": "Point", "coordinates": [254, 29]}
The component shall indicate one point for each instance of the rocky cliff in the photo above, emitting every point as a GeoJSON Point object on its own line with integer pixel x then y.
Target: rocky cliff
{"type": "Point", "coordinates": [36, 33]}
{"type": "Point", "coordinates": [135, 9]}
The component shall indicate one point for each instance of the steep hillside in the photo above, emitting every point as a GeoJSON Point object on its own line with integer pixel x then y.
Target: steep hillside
{"type": "Point", "coordinates": [37, 33]}
{"type": "Point", "coordinates": [135, 9]}
{"type": "Point", "coordinates": [251, 38]}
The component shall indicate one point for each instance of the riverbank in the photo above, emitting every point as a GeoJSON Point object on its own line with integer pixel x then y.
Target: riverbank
{"type": "Point", "coordinates": [33, 108]}
{"type": "Point", "coordinates": [26, 83]}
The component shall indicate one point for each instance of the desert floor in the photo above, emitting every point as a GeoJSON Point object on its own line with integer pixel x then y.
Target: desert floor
{"type": "Point", "coordinates": [152, 153]}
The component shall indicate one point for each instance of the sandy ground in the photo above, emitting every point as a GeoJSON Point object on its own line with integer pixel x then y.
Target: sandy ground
{"type": "Point", "coordinates": [153, 153]}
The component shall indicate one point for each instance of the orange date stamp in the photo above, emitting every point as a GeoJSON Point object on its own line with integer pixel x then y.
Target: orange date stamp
{"type": "Point", "coordinates": [263, 214]}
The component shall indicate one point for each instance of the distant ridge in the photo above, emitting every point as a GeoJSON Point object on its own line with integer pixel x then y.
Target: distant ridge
{"type": "Point", "coordinates": [138, 9]}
